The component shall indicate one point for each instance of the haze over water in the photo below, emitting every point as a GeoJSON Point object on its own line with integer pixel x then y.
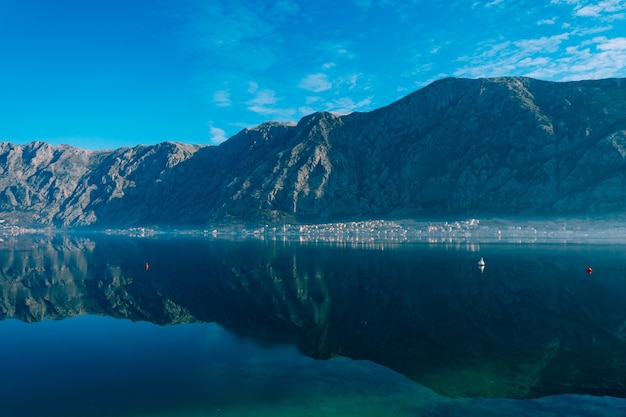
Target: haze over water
{"type": "Point", "coordinates": [118, 326]}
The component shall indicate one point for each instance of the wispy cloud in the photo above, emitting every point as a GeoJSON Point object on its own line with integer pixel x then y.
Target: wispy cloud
{"type": "Point", "coordinates": [252, 87]}
{"type": "Point", "coordinates": [343, 105]}
{"type": "Point", "coordinates": [540, 45]}
{"type": "Point", "coordinates": [284, 114]}
{"type": "Point", "coordinates": [347, 64]}
{"type": "Point", "coordinates": [493, 3]}
{"type": "Point", "coordinates": [334, 51]}
{"type": "Point", "coordinates": [216, 135]}
{"type": "Point", "coordinates": [315, 83]}
{"type": "Point", "coordinates": [602, 58]}
{"type": "Point", "coordinates": [312, 99]}
{"type": "Point", "coordinates": [305, 110]}
{"type": "Point", "coordinates": [264, 103]}
{"type": "Point", "coordinates": [263, 98]}
{"type": "Point", "coordinates": [550, 58]}
{"type": "Point", "coordinates": [577, 52]}
{"type": "Point", "coordinates": [234, 34]}
{"type": "Point", "coordinates": [353, 81]}
{"type": "Point", "coordinates": [617, 45]}
{"type": "Point", "coordinates": [600, 9]}
{"type": "Point", "coordinates": [551, 21]}
{"type": "Point", "coordinates": [347, 105]}
{"type": "Point", "coordinates": [221, 98]}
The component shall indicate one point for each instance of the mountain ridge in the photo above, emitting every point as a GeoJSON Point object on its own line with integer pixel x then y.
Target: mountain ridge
{"type": "Point", "coordinates": [457, 147]}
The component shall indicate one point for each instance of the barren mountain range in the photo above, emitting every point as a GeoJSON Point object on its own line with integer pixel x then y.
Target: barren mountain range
{"type": "Point", "coordinates": [508, 146]}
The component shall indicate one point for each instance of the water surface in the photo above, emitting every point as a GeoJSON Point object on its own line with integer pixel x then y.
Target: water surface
{"type": "Point", "coordinates": [217, 327]}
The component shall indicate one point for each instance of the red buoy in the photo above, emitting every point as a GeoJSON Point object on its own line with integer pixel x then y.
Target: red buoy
{"type": "Point", "coordinates": [589, 270]}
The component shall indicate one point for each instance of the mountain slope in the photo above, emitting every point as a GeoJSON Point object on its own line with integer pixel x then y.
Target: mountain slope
{"type": "Point", "coordinates": [37, 179]}
{"type": "Point", "coordinates": [502, 146]}
{"type": "Point", "coordinates": [498, 146]}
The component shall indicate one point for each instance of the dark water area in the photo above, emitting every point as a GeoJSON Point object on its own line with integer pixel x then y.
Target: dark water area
{"type": "Point", "coordinates": [185, 326]}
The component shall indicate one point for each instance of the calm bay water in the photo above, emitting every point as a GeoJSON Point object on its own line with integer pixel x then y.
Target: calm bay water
{"type": "Point", "coordinates": [117, 326]}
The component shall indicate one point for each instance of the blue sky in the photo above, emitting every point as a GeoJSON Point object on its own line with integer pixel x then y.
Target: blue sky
{"type": "Point", "coordinates": [106, 74]}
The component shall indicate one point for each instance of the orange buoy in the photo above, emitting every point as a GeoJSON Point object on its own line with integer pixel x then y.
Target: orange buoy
{"type": "Point", "coordinates": [147, 266]}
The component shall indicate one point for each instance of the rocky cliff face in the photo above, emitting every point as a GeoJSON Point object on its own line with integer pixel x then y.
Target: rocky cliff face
{"type": "Point", "coordinates": [498, 146]}
{"type": "Point", "coordinates": [47, 185]}
{"type": "Point", "coordinates": [37, 179]}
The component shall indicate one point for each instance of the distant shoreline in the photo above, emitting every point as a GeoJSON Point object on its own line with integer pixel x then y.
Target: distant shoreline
{"type": "Point", "coordinates": [385, 231]}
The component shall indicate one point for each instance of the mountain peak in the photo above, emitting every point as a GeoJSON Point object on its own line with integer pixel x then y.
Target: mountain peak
{"type": "Point", "coordinates": [493, 146]}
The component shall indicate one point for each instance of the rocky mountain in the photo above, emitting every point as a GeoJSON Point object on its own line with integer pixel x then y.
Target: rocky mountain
{"type": "Point", "coordinates": [500, 147]}
{"type": "Point", "coordinates": [61, 185]}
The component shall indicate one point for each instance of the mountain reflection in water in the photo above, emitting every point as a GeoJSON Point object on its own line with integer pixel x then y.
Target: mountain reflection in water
{"type": "Point", "coordinates": [532, 324]}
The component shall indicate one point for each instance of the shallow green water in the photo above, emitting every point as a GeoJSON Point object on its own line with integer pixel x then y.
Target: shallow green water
{"type": "Point", "coordinates": [265, 328]}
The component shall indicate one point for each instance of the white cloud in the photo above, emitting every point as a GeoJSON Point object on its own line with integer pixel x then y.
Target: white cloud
{"type": "Point", "coordinates": [493, 3]}
{"type": "Point", "coordinates": [277, 113]}
{"type": "Point", "coordinates": [306, 110]}
{"type": "Point", "coordinates": [547, 21]}
{"type": "Point", "coordinates": [600, 8]}
{"type": "Point", "coordinates": [216, 135]}
{"type": "Point", "coordinates": [346, 105]}
{"type": "Point", "coordinates": [221, 98]}
{"type": "Point", "coordinates": [343, 105]}
{"type": "Point", "coordinates": [530, 62]}
{"type": "Point", "coordinates": [252, 87]}
{"type": "Point", "coordinates": [520, 57]}
{"type": "Point", "coordinates": [607, 59]}
{"type": "Point", "coordinates": [353, 80]}
{"type": "Point", "coordinates": [315, 82]}
{"type": "Point", "coordinates": [263, 103]}
{"type": "Point", "coordinates": [616, 44]}
{"type": "Point", "coordinates": [336, 80]}
{"type": "Point", "coordinates": [338, 50]}
{"type": "Point", "coordinates": [543, 44]}
{"type": "Point", "coordinates": [263, 110]}
{"type": "Point", "coordinates": [312, 99]}
{"type": "Point", "coordinates": [591, 30]}
{"type": "Point", "coordinates": [592, 11]}
{"type": "Point", "coordinates": [548, 58]}
{"type": "Point", "coordinates": [263, 98]}
{"type": "Point", "coordinates": [602, 57]}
